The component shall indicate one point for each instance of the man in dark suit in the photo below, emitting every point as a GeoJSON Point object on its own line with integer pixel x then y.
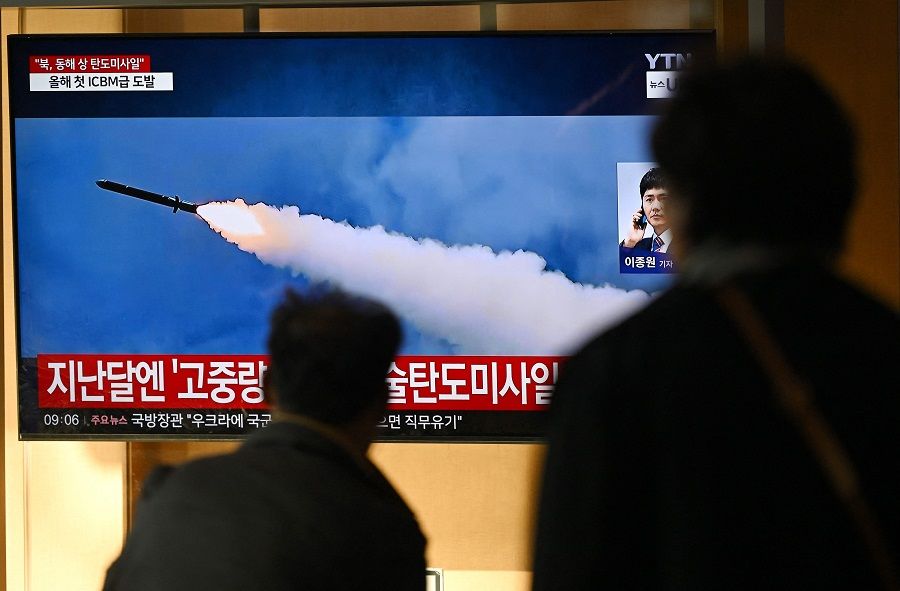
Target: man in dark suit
{"type": "Point", "coordinates": [298, 506]}
{"type": "Point", "coordinates": [654, 193]}
{"type": "Point", "coordinates": [741, 432]}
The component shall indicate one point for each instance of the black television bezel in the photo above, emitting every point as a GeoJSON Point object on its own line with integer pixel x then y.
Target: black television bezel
{"type": "Point", "coordinates": [11, 52]}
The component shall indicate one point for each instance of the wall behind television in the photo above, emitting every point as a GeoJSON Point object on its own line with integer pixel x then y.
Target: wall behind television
{"type": "Point", "coordinates": [474, 501]}
{"type": "Point", "coordinates": [54, 494]}
{"type": "Point", "coordinates": [859, 63]}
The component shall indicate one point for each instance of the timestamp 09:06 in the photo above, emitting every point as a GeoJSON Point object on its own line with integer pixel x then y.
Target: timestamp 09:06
{"type": "Point", "coordinates": [67, 419]}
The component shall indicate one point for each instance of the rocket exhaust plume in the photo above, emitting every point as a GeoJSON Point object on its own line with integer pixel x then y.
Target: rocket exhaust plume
{"type": "Point", "coordinates": [482, 302]}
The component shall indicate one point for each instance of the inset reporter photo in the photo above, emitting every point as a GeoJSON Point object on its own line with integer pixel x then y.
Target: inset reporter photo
{"type": "Point", "coordinates": [644, 234]}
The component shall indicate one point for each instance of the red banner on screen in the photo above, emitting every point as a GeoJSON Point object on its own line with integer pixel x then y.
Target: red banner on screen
{"type": "Point", "coordinates": [45, 64]}
{"type": "Point", "coordinates": [457, 383]}
{"type": "Point", "coordinates": [150, 381]}
{"type": "Point", "coordinates": [472, 383]}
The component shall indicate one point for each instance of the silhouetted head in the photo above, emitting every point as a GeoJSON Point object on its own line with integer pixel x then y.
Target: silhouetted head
{"type": "Point", "coordinates": [757, 152]}
{"type": "Point", "coordinates": [330, 354]}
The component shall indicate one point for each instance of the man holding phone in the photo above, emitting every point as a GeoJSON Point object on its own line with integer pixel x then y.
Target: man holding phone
{"type": "Point", "coordinates": [653, 211]}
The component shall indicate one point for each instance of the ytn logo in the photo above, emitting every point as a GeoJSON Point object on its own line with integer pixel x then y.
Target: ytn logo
{"type": "Point", "coordinates": [670, 61]}
{"type": "Point", "coordinates": [662, 77]}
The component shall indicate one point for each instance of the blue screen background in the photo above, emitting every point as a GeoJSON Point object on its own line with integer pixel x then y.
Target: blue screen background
{"type": "Point", "coordinates": [103, 273]}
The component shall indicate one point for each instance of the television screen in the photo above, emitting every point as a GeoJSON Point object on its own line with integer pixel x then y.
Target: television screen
{"type": "Point", "coordinates": [489, 188]}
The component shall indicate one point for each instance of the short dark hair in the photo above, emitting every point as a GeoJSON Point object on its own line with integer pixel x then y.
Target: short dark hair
{"type": "Point", "coordinates": [751, 148]}
{"type": "Point", "coordinates": [653, 179]}
{"type": "Point", "coordinates": [330, 353]}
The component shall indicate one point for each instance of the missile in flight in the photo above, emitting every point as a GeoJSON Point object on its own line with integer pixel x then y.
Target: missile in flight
{"type": "Point", "coordinates": [175, 202]}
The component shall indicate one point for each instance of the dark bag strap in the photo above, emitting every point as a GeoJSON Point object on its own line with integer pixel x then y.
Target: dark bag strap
{"type": "Point", "coordinates": [796, 399]}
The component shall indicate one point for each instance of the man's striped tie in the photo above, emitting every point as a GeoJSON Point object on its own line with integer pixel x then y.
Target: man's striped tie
{"type": "Point", "coordinates": [657, 244]}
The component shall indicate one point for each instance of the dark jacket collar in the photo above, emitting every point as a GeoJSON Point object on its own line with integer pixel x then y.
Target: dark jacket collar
{"type": "Point", "coordinates": [304, 439]}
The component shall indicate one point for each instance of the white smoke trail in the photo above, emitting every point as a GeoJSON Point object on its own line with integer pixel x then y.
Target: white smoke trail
{"type": "Point", "coordinates": [479, 300]}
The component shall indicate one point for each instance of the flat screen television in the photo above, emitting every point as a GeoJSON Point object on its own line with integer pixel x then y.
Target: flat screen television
{"type": "Point", "coordinates": [168, 189]}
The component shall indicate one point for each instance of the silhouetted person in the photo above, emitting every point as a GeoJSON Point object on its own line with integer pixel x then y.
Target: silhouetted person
{"type": "Point", "coordinates": [298, 505]}
{"type": "Point", "coordinates": [741, 432]}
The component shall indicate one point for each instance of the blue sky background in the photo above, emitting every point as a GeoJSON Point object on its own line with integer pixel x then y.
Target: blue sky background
{"type": "Point", "coordinates": [103, 273]}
